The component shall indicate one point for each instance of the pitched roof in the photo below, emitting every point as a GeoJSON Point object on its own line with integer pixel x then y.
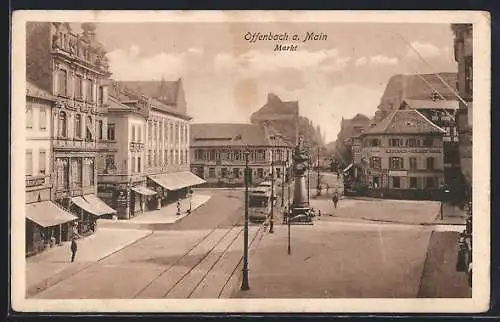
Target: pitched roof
{"type": "Point", "coordinates": [164, 91]}
{"type": "Point", "coordinates": [405, 122]}
{"type": "Point", "coordinates": [432, 105]}
{"type": "Point", "coordinates": [275, 105]}
{"type": "Point", "coordinates": [228, 134]}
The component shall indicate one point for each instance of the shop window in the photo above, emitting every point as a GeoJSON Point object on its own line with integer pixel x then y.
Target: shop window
{"type": "Point", "coordinates": [76, 172]}
{"type": "Point", "coordinates": [211, 172]}
{"type": "Point", "coordinates": [413, 182]}
{"type": "Point", "coordinates": [90, 166]}
{"type": "Point", "coordinates": [376, 182]}
{"type": "Point", "coordinates": [236, 173]}
{"type": "Point", "coordinates": [429, 182]}
{"type": "Point", "coordinates": [62, 173]}
{"type": "Point", "coordinates": [223, 172]}
{"type": "Point", "coordinates": [396, 182]}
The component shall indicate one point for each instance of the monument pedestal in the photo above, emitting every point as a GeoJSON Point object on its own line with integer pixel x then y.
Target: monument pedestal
{"type": "Point", "coordinates": [300, 209]}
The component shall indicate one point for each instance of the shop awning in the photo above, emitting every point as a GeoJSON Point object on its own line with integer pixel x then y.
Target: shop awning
{"type": "Point", "coordinates": [99, 205]}
{"type": "Point", "coordinates": [82, 203]}
{"type": "Point", "coordinates": [143, 191]}
{"type": "Point", "coordinates": [348, 167]}
{"type": "Point", "coordinates": [47, 213]}
{"type": "Point", "coordinates": [177, 180]}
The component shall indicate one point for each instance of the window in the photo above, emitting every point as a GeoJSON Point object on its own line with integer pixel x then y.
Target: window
{"type": "Point", "coordinates": [29, 163]}
{"type": "Point", "coordinates": [76, 172]}
{"type": "Point", "coordinates": [413, 182]}
{"type": "Point", "coordinates": [172, 161]}
{"type": "Point", "coordinates": [155, 158]}
{"type": "Point", "coordinates": [468, 74]}
{"type": "Point", "coordinates": [278, 173]}
{"type": "Point", "coordinates": [429, 182]}
{"type": "Point", "coordinates": [260, 173]}
{"type": "Point", "coordinates": [150, 161]}
{"type": "Point", "coordinates": [236, 173]}
{"type": "Point", "coordinates": [132, 164]}
{"type": "Point", "coordinates": [375, 142]}
{"type": "Point", "coordinates": [139, 132]}
{"type": "Point", "coordinates": [133, 133]}
{"type": "Point", "coordinates": [62, 82]}
{"type": "Point", "coordinates": [211, 172]}
{"type": "Point", "coordinates": [375, 163]}
{"type": "Point", "coordinates": [396, 163]}
{"type": "Point", "coordinates": [101, 95]}
{"type": "Point", "coordinates": [260, 154]}
{"type": "Point", "coordinates": [62, 124]}
{"type": "Point", "coordinates": [42, 162]}
{"type": "Point", "coordinates": [78, 126]}
{"type": "Point", "coordinates": [413, 163]}
{"type": "Point", "coordinates": [42, 120]}
{"type": "Point", "coordinates": [111, 131]}
{"type": "Point", "coordinates": [78, 87]}
{"type": "Point", "coordinates": [396, 182]}
{"type": "Point", "coordinates": [90, 165]}
{"type": "Point", "coordinates": [376, 182]}
{"type": "Point", "coordinates": [430, 163]}
{"type": "Point", "coordinates": [223, 172]}
{"type": "Point", "coordinates": [187, 156]}
{"type": "Point", "coordinates": [62, 173]}
{"type": "Point", "coordinates": [150, 131]}
{"type": "Point", "coordinates": [237, 154]}
{"type": "Point", "coordinates": [139, 164]}
{"type": "Point", "coordinates": [88, 91]}
{"type": "Point", "coordinates": [413, 142]}
{"type": "Point", "coordinates": [211, 155]}
{"type": "Point", "coordinates": [89, 130]}
{"type": "Point", "coordinates": [181, 157]}
{"type": "Point", "coordinates": [29, 118]}
{"type": "Point", "coordinates": [395, 142]}
{"type": "Point", "coordinates": [428, 142]}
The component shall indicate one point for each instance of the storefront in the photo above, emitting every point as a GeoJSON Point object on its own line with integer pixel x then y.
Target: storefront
{"type": "Point", "coordinates": [89, 209]}
{"type": "Point", "coordinates": [47, 224]}
{"type": "Point", "coordinates": [171, 187]}
{"type": "Point", "coordinates": [141, 198]}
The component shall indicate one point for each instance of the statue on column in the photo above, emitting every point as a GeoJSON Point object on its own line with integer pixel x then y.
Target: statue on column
{"type": "Point", "coordinates": [300, 209]}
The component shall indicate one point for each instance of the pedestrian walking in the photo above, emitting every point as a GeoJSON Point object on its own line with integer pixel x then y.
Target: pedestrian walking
{"type": "Point", "coordinates": [178, 207]}
{"type": "Point", "coordinates": [327, 188]}
{"type": "Point", "coordinates": [74, 248]}
{"type": "Point", "coordinates": [335, 199]}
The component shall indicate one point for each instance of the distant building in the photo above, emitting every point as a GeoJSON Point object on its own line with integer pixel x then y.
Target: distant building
{"type": "Point", "coordinates": [73, 69]}
{"type": "Point", "coordinates": [150, 167]}
{"type": "Point", "coordinates": [464, 57]}
{"type": "Point", "coordinates": [349, 128]}
{"type": "Point", "coordinates": [402, 156]}
{"type": "Point", "coordinates": [217, 152]}
{"type": "Point", "coordinates": [442, 113]}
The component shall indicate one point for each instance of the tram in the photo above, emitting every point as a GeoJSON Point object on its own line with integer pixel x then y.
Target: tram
{"type": "Point", "coordinates": [259, 204]}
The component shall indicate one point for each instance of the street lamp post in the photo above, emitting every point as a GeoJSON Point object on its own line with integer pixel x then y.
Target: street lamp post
{"type": "Point", "coordinates": [283, 177]}
{"type": "Point", "coordinates": [271, 226]}
{"type": "Point", "coordinates": [318, 187]}
{"type": "Point", "coordinates": [289, 213]}
{"type": "Point", "coordinates": [190, 198]}
{"type": "Point", "coordinates": [244, 283]}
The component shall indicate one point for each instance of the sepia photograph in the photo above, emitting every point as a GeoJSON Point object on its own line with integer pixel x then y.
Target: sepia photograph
{"type": "Point", "coordinates": [250, 161]}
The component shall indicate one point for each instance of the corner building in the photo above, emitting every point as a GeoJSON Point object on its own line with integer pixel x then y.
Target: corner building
{"type": "Point", "coordinates": [73, 68]}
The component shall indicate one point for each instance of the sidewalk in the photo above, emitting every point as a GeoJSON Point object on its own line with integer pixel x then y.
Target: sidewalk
{"type": "Point", "coordinates": [54, 264]}
{"type": "Point", "coordinates": [165, 215]}
{"type": "Point", "coordinates": [452, 215]}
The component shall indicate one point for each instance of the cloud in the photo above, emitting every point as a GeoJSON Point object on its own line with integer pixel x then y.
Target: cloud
{"type": "Point", "coordinates": [195, 51]}
{"type": "Point", "coordinates": [383, 60]}
{"type": "Point", "coordinates": [425, 50]}
{"type": "Point", "coordinates": [360, 61]}
{"type": "Point", "coordinates": [129, 65]}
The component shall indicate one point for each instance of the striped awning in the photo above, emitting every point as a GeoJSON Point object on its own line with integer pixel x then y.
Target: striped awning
{"type": "Point", "coordinates": [143, 191]}
{"type": "Point", "coordinates": [47, 214]}
{"type": "Point", "coordinates": [92, 204]}
{"type": "Point", "coordinates": [177, 180]}
{"type": "Point", "coordinates": [348, 167]}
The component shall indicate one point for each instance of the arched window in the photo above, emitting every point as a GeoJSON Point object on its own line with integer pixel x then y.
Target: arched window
{"type": "Point", "coordinates": [62, 124]}
{"type": "Point", "coordinates": [29, 118]}
{"type": "Point", "coordinates": [78, 126]}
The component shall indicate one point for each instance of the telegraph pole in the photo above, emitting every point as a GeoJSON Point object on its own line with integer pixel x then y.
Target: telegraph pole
{"type": "Point", "coordinates": [244, 283]}
{"type": "Point", "coordinates": [271, 226]}
{"type": "Point", "coordinates": [289, 213]}
{"type": "Point", "coordinates": [283, 177]}
{"type": "Point", "coordinates": [318, 187]}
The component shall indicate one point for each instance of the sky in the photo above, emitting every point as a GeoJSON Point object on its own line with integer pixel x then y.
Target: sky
{"type": "Point", "coordinates": [226, 78]}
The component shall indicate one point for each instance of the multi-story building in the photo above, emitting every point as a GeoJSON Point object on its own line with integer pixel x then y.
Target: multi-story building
{"type": "Point", "coordinates": [217, 152]}
{"type": "Point", "coordinates": [463, 56]}
{"type": "Point", "coordinates": [442, 113]}
{"type": "Point", "coordinates": [403, 156]}
{"type": "Point", "coordinates": [150, 167]}
{"type": "Point", "coordinates": [73, 68]}
{"type": "Point", "coordinates": [46, 222]}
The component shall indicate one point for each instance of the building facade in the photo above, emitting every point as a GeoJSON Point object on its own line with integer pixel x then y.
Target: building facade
{"type": "Point", "coordinates": [464, 57]}
{"type": "Point", "coordinates": [150, 167]}
{"type": "Point", "coordinates": [217, 153]}
{"type": "Point", "coordinates": [73, 68]}
{"type": "Point", "coordinates": [402, 157]}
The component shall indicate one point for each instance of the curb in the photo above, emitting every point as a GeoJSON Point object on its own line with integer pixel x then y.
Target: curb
{"type": "Point", "coordinates": [414, 224]}
{"type": "Point", "coordinates": [72, 270]}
